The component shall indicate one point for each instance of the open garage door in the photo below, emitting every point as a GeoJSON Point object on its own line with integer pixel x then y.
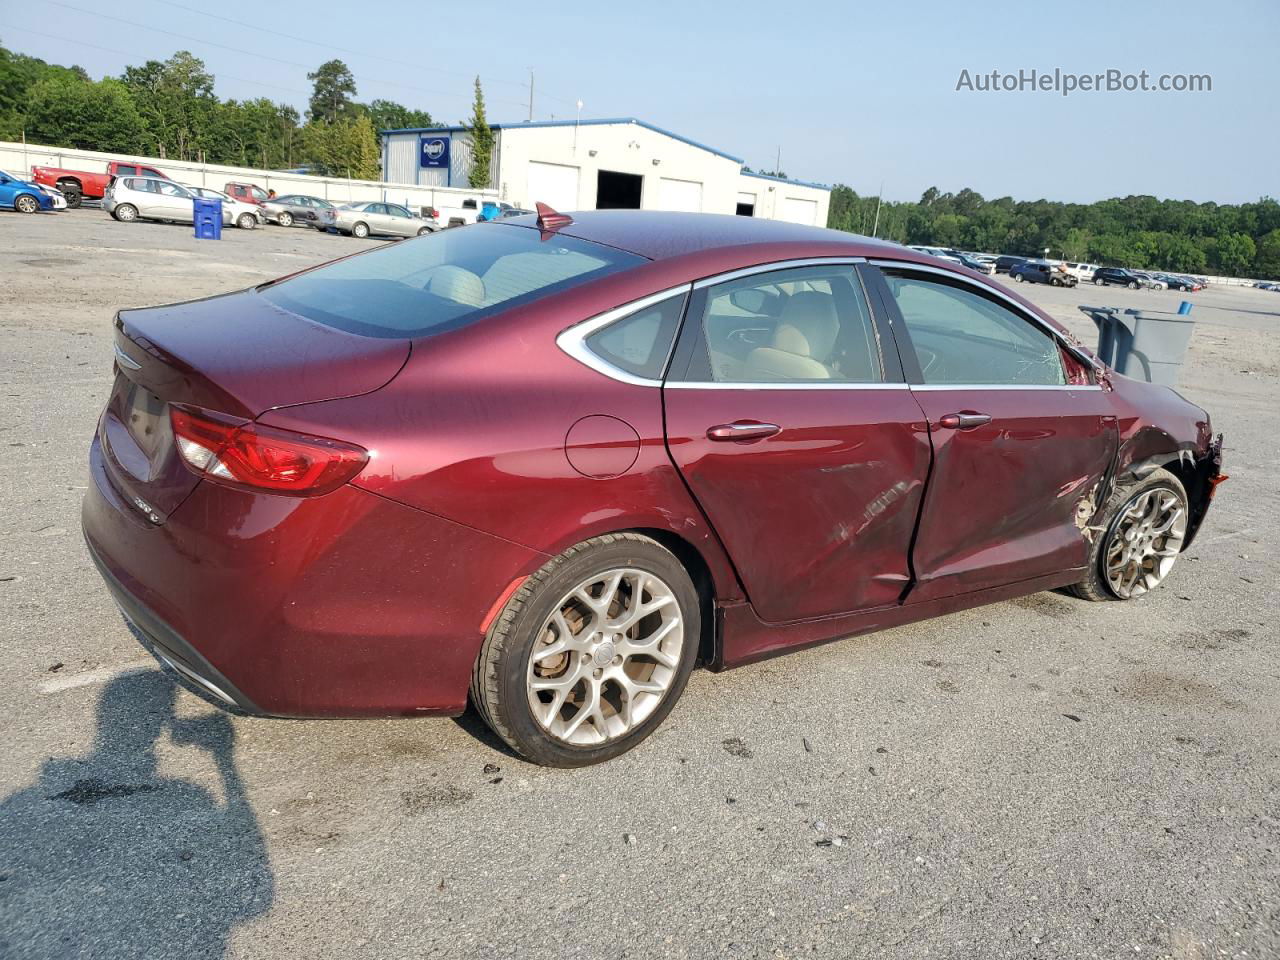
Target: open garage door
{"type": "Point", "coordinates": [797, 210]}
{"type": "Point", "coordinates": [684, 195]}
{"type": "Point", "coordinates": [553, 184]}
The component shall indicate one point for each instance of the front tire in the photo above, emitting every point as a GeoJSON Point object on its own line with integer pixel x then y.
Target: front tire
{"type": "Point", "coordinates": [246, 221]}
{"type": "Point", "coordinates": [360, 230]}
{"type": "Point", "coordinates": [26, 204]}
{"type": "Point", "coordinates": [423, 231]}
{"type": "Point", "coordinates": [1144, 526]}
{"type": "Point", "coordinates": [591, 653]}
{"type": "Point", "coordinates": [284, 218]}
{"type": "Point", "coordinates": [125, 213]}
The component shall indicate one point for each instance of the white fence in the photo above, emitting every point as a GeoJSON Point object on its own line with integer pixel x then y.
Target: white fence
{"type": "Point", "coordinates": [19, 158]}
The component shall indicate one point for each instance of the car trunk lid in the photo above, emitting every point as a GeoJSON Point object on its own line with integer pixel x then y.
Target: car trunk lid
{"type": "Point", "coordinates": [237, 356]}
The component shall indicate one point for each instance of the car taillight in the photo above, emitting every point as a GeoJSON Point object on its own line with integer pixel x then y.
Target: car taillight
{"type": "Point", "coordinates": [263, 458]}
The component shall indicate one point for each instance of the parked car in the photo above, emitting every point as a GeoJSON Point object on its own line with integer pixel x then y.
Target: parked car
{"type": "Point", "coordinates": [23, 195]}
{"type": "Point", "coordinates": [1174, 282]}
{"type": "Point", "coordinates": [295, 207]}
{"type": "Point", "coordinates": [514, 212]}
{"type": "Point", "coordinates": [376, 219]}
{"type": "Point", "coordinates": [579, 488]}
{"type": "Point", "coordinates": [1149, 280]}
{"type": "Point", "coordinates": [1115, 276]}
{"type": "Point", "coordinates": [965, 260]}
{"type": "Point", "coordinates": [1005, 263]}
{"type": "Point", "coordinates": [246, 216]}
{"type": "Point", "coordinates": [79, 185]}
{"type": "Point", "coordinates": [246, 193]}
{"type": "Point", "coordinates": [1037, 271]}
{"type": "Point", "coordinates": [146, 198]}
{"type": "Point", "coordinates": [1083, 271]}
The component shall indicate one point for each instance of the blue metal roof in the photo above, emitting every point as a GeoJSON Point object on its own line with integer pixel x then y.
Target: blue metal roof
{"type": "Point", "coordinates": [798, 183]}
{"type": "Point", "coordinates": [571, 123]}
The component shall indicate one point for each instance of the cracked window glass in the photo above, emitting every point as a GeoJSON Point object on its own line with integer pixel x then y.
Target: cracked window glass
{"type": "Point", "coordinates": [962, 337]}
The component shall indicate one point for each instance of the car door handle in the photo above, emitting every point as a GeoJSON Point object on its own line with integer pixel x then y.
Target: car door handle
{"type": "Point", "coordinates": [964, 420]}
{"type": "Point", "coordinates": [742, 430]}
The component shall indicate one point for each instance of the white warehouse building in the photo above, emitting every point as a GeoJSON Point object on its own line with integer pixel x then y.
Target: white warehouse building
{"type": "Point", "coordinates": [601, 164]}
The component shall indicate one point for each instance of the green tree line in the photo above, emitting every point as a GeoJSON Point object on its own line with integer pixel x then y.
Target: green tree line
{"type": "Point", "coordinates": [168, 109]}
{"type": "Point", "coordinates": [1137, 231]}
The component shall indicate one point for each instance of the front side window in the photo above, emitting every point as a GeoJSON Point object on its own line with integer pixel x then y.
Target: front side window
{"type": "Point", "coordinates": [963, 337]}
{"type": "Point", "coordinates": [444, 280]}
{"type": "Point", "coordinates": [396, 211]}
{"type": "Point", "coordinates": [806, 324]}
{"type": "Point", "coordinates": [640, 343]}
{"type": "Point", "coordinates": [169, 189]}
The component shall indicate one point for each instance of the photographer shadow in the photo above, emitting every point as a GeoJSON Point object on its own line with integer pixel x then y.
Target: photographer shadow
{"type": "Point", "coordinates": [104, 857]}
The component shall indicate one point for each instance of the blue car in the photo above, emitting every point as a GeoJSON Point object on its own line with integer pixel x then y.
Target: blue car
{"type": "Point", "coordinates": [21, 195]}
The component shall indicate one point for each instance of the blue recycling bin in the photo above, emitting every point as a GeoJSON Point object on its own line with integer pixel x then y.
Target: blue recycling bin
{"type": "Point", "coordinates": [208, 219]}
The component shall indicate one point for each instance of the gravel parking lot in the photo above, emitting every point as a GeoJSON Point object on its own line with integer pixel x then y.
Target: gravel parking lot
{"type": "Point", "coordinates": [1041, 778]}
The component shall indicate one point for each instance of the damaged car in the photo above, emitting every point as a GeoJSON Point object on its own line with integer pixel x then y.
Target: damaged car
{"type": "Point", "coordinates": [546, 465]}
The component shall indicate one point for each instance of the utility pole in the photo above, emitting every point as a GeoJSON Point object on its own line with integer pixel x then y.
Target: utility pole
{"type": "Point", "coordinates": [876, 224]}
{"type": "Point", "coordinates": [777, 162]}
{"type": "Point", "coordinates": [531, 94]}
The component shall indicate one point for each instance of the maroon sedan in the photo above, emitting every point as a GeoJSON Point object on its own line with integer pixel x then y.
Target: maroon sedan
{"type": "Point", "coordinates": [552, 463]}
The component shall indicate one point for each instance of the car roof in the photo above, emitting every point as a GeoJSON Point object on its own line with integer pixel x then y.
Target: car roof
{"type": "Point", "coordinates": [659, 235]}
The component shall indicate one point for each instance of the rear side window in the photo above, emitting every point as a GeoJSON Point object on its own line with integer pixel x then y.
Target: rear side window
{"type": "Point", "coordinates": [640, 344]}
{"type": "Point", "coordinates": [444, 280]}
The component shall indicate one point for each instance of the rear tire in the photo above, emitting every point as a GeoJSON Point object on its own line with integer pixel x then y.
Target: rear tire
{"type": "Point", "coordinates": [1113, 542]}
{"type": "Point", "coordinates": [73, 194]}
{"type": "Point", "coordinates": [1017, 278]}
{"type": "Point", "coordinates": [26, 203]}
{"type": "Point", "coordinates": [360, 230]}
{"type": "Point", "coordinates": [284, 218]}
{"type": "Point", "coordinates": [594, 700]}
{"type": "Point", "coordinates": [1133, 285]}
{"type": "Point", "coordinates": [125, 213]}
{"type": "Point", "coordinates": [1099, 283]}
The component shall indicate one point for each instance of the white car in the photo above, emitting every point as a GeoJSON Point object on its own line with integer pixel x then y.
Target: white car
{"type": "Point", "coordinates": [1082, 271]}
{"type": "Point", "coordinates": [148, 198]}
{"type": "Point", "coordinates": [246, 216]}
{"type": "Point", "coordinates": [59, 198]}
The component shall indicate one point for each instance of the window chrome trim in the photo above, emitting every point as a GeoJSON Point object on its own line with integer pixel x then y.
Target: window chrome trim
{"type": "Point", "coordinates": [780, 385]}
{"type": "Point", "coordinates": [774, 266]}
{"type": "Point", "coordinates": [938, 387]}
{"type": "Point", "coordinates": [573, 340]}
{"type": "Point", "coordinates": [1018, 308]}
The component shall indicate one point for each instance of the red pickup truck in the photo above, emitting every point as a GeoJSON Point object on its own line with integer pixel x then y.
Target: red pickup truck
{"type": "Point", "coordinates": [78, 185]}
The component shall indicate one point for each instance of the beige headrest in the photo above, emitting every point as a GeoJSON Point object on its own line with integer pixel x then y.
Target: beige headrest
{"type": "Point", "coordinates": [808, 326]}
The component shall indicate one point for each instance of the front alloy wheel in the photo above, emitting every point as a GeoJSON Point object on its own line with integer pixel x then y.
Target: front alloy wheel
{"type": "Point", "coordinates": [1145, 540]}
{"type": "Point", "coordinates": [1141, 532]}
{"type": "Point", "coordinates": [591, 653]}
{"type": "Point", "coordinates": [26, 204]}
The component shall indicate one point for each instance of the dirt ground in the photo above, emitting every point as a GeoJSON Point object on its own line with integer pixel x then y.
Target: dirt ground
{"type": "Point", "coordinates": [1039, 778]}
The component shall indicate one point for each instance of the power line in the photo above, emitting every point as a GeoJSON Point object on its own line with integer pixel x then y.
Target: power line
{"type": "Point", "coordinates": [126, 53]}
{"type": "Point", "coordinates": [358, 53]}
{"type": "Point", "coordinates": [260, 56]}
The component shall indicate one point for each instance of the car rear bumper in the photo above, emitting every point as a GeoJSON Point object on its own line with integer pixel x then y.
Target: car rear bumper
{"type": "Point", "coordinates": [343, 605]}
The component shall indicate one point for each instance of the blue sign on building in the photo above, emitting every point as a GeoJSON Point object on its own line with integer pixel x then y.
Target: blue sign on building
{"type": "Point", "coordinates": [433, 151]}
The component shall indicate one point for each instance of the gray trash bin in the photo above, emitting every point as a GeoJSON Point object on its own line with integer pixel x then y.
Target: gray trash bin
{"type": "Point", "coordinates": [1144, 344]}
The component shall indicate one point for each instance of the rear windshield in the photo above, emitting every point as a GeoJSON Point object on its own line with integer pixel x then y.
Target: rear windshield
{"type": "Point", "coordinates": [444, 280]}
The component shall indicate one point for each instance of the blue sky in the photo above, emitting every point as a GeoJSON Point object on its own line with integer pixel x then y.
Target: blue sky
{"type": "Point", "coordinates": [850, 93]}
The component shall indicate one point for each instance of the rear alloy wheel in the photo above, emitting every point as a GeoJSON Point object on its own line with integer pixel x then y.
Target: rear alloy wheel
{"type": "Point", "coordinates": [73, 194]}
{"type": "Point", "coordinates": [1017, 277]}
{"type": "Point", "coordinates": [1133, 285]}
{"type": "Point", "coordinates": [125, 213]}
{"type": "Point", "coordinates": [26, 204]}
{"type": "Point", "coordinates": [285, 218]}
{"type": "Point", "coordinates": [1146, 524]}
{"type": "Point", "coordinates": [246, 221]}
{"type": "Point", "coordinates": [592, 652]}
{"type": "Point", "coordinates": [1099, 283]}
{"type": "Point", "coordinates": [360, 230]}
